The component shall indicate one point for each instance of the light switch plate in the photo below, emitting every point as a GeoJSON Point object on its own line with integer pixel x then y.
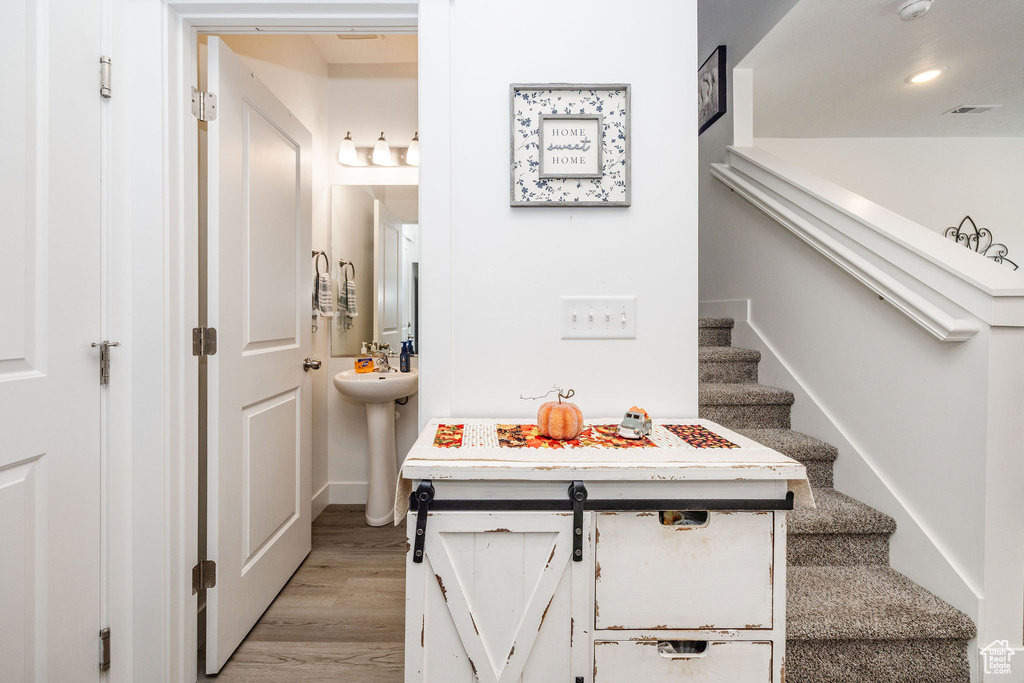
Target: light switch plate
{"type": "Point", "coordinates": [598, 317]}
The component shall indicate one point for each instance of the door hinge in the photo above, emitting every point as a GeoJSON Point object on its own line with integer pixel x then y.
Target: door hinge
{"type": "Point", "coordinates": [204, 105]}
{"type": "Point", "coordinates": [104, 76]}
{"type": "Point", "coordinates": [104, 347]}
{"type": "Point", "coordinates": [204, 341]}
{"type": "Point", "coordinates": [204, 575]}
{"type": "Point", "coordinates": [105, 649]}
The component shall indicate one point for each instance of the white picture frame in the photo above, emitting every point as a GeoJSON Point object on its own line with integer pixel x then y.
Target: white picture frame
{"type": "Point", "coordinates": [546, 173]}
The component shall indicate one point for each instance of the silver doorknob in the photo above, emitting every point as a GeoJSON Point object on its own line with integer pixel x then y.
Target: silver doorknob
{"type": "Point", "coordinates": [310, 363]}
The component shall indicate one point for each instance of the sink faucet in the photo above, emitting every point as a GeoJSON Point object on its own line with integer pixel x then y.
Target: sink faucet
{"type": "Point", "coordinates": [382, 362]}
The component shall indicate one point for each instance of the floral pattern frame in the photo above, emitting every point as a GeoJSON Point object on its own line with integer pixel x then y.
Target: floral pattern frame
{"type": "Point", "coordinates": [527, 102]}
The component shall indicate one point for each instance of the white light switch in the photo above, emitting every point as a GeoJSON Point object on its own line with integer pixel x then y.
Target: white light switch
{"type": "Point", "coordinates": [598, 317]}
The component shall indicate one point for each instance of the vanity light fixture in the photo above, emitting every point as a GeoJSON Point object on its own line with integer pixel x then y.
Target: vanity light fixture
{"type": "Point", "coordinates": [926, 75]}
{"type": "Point", "coordinates": [381, 152]}
{"type": "Point", "coordinates": [412, 155]}
{"type": "Point", "coordinates": [347, 151]}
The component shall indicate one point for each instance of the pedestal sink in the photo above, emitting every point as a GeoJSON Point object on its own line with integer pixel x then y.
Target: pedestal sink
{"type": "Point", "coordinates": [378, 390]}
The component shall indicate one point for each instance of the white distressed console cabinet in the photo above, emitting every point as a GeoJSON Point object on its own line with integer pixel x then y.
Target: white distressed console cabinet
{"type": "Point", "coordinates": [596, 563]}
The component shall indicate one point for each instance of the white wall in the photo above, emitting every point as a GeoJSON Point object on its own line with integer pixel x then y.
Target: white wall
{"type": "Point", "coordinates": [366, 99]}
{"type": "Point", "coordinates": [491, 275]}
{"type": "Point", "coordinates": [739, 25]}
{"type": "Point", "coordinates": [932, 181]}
{"type": "Point", "coordinates": [295, 71]}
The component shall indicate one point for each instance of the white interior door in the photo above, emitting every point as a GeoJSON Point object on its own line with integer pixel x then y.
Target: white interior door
{"type": "Point", "coordinates": [259, 419]}
{"type": "Point", "coordinates": [49, 317]}
{"type": "Point", "coordinates": [389, 306]}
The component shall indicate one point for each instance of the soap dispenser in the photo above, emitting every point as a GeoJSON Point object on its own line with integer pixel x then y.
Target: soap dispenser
{"type": "Point", "coordinates": [405, 358]}
{"type": "Point", "coordinates": [364, 363]}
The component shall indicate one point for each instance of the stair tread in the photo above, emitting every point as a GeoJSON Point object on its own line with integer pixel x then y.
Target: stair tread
{"type": "Point", "coordinates": [867, 602]}
{"type": "Point", "coordinates": [795, 444]}
{"type": "Point", "coordinates": [742, 394]}
{"type": "Point", "coordinates": [727, 354]}
{"type": "Point", "coordinates": [715, 322]}
{"type": "Point", "coordinates": [837, 513]}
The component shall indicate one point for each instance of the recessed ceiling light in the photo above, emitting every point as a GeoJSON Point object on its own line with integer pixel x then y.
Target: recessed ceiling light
{"type": "Point", "coordinates": [926, 75]}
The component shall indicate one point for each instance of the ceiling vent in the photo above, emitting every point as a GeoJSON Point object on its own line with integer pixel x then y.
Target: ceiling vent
{"type": "Point", "coordinates": [974, 108]}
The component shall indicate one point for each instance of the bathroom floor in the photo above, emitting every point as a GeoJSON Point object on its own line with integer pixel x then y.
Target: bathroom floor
{"type": "Point", "coordinates": [341, 617]}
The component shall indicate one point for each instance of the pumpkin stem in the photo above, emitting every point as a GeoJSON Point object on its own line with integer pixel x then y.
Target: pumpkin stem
{"type": "Point", "coordinates": [567, 395]}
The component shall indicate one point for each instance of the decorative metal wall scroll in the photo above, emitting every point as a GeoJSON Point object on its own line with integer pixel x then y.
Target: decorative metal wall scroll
{"type": "Point", "coordinates": [979, 240]}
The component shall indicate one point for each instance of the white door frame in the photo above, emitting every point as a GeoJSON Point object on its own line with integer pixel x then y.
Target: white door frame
{"type": "Point", "coordinates": [153, 251]}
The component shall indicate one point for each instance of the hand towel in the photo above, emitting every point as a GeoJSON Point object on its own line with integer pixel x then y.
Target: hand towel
{"type": "Point", "coordinates": [323, 296]}
{"type": "Point", "coordinates": [350, 299]}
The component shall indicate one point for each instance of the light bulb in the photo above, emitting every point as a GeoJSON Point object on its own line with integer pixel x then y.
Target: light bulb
{"type": "Point", "coordinates": [927, 74]}
{"type": "Point", "coordinates": [381, 152]}
{"type": "Point", "coordinates": [347, 151]}
{"type": "Point", "coordinates": [412, 155]}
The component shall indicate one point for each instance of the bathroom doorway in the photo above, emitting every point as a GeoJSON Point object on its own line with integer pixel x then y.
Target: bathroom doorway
{"type": "Point", "coordinates": [335, 86]}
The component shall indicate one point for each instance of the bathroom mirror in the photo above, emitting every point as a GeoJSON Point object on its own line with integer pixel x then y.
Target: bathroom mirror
{"type": "Point", "coordinates": [375, 248]}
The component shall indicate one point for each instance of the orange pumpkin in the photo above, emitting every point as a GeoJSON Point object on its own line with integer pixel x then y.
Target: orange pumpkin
{"type": "Point", "coordinates": [558, 420]}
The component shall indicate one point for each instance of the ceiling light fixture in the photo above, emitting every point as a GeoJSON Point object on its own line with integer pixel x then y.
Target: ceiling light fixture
{"type": "Point", "coordinates": [412, 155]}
{"type": "Point", "coordinates": [926, 75]}
{"type": "Point", "coordinates": [347, 151]}
{"type": "Point", "coordinates": [381, 152]}
{"type": "Point", "coordinates": [913, 9]}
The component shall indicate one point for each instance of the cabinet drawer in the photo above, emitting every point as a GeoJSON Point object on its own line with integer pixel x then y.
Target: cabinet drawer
{"type": "Point", "coordinates": [690, 575]}
{"type": "Point", "coordinates": [645, 661]}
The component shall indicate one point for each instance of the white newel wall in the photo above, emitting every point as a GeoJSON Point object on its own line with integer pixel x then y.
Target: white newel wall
{"type": "Point", "coordinates": [932, 181]}
{"type": "Point", "coordinates": [492, 276]}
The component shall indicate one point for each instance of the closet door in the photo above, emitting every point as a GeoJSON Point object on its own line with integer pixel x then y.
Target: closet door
{"type": "Point", "coordinates": [49, 317]}
{"type": "Point", "coordinates": [259, 294]}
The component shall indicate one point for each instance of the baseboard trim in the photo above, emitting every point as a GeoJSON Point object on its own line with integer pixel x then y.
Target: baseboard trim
{"type": "Point", "coordinates": [347, 492]}
{"type": "Point", "coordinates": [320, 500]}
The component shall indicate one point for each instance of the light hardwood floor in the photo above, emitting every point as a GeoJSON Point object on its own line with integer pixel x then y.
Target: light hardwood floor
{"type": "Point", "coordinates": [341, 617]}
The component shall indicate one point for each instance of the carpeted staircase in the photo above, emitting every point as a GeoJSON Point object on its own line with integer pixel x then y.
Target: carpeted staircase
{"type": "Point", "coordinates": [850, 617]}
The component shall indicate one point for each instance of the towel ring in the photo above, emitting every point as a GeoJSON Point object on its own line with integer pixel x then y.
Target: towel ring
{"type": "Point", "coordinates": [316, 261]}
{"type": "Point", "coordinates": [342, 263]}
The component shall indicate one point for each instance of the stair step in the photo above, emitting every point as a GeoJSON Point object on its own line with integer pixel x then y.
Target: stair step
{"type": "Point", "coordinates": [816, 455]}
{"type": "Point", "coordinates": [739, 406]}
{"type": "Point", "coordinates": [714, 331]}
{"type": "Point", "coordinates": [839, 531]}
{"type": "Point", "coordinates": [727, 364]}
{"type": "Point", "coordinates": [877, 661]}
{"type": "Point", "coordinates": [869, 624]}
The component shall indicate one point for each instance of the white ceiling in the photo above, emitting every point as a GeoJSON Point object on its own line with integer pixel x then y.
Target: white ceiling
{"type": "Point", "coordinates": [367, 48]}
{"type": "Point", "coordinates": [836, 68]}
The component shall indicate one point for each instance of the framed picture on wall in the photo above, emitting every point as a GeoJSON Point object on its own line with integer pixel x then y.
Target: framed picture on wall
{"type": "Point", "coordinates": [711, 89]}
{"type": "Point", "coordinates": [569, 145]}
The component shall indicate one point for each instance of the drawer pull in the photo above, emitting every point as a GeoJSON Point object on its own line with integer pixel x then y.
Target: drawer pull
{"type": "Point", "coordinates": [682, 649]}
{"type": "Point", "coordinates": [692, 518]}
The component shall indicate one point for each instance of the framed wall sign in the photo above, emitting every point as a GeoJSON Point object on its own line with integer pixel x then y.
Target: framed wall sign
{"type": "Point", "coordinates": [569, 145]}
{"type": "Point", "coordinates": [711, 89]}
